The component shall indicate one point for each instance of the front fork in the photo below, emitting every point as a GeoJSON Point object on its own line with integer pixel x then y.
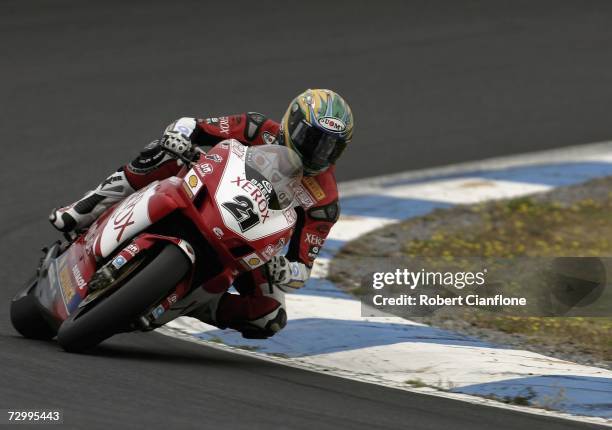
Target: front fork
{"type": "Point", "coordinates": [126, 261]}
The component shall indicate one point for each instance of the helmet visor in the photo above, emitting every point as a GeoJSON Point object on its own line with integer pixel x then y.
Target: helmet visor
{"type": "Point", "coordinates": [317, 148]}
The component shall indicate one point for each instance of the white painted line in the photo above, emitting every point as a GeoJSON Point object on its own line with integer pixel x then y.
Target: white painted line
{"type": "Point", "coordinates": [351, 227]}
{"type": "Point", "coordinates": [464, 190]}
{"type": "Point", "coordinates": [600, 158]}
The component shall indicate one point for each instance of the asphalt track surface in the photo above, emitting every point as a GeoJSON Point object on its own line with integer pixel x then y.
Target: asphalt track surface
{"type": "Point", "coordinates": [84, 85]}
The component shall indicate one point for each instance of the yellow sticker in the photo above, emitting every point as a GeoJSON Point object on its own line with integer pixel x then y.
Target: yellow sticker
{"type": "Point", "coordinates": [66, 284]}
{"type": "Point", "coordinates": [193, 181]}
{"type": "Point", "coordinates": [314, 187]}
{"type": "Point", "coordinates": [254, 261]}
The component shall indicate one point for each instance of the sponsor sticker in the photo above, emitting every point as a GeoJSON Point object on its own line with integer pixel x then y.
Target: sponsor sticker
{"type": "Point", "coordinates": [303, 196]}
{"type": "Point", "coordinates": [218, 232]}
{"type": "Point", "coordinates": [65, 281]}
{"type": "Point", "coordinates": [252, 260]}
{"type": "Point", "coordinates": [269, 138]}
{"type": "Point", "coordinates": [78, 277]}
{"type": "Point", "coordinates": [188, 249]}
{"type": "Point", "coordinates": [332, 124]}
{"type": "Point", "coordinates": [132, 249]}
{"type": "Point", "coordinates": [214, 157]}
{"type": "Point", "coordinates": [172, 298]}
{"type": "Point", "coordinates": [123, 217]}
{"type": "Point", "coordinates": [238, 149]}
{"type": "Point", "coordinates": [290, 215]}
{"type": "Point", "coordinates": [224, 125]}
{"type": "Point", "coordinates": [158, 311]}
{"type": "Point", "coordinates": [313, 239]}
{"type": "Point", "coordinates": [205, 169]}
{"type": "Point", "coordinates": [295, 271]}
{"type": "Point", "coordinates": [184, 126]}
{"type": "Point", "coordinates": [268, 252]}
{"type": "Point", "coordinates": [118, 262]}
{"type": "Point", "coordinates": [193, 183]}
{"type": "Point", "coordinates": [313, 186]}
{"type": "Point", "coordinates": [313, 251]}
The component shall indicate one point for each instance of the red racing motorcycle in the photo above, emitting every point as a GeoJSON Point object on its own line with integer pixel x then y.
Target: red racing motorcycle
{"type": "Point", "coordinates": [166, 249]}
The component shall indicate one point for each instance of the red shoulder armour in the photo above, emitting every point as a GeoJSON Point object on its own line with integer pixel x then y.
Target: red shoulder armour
{"type": "Point", "coordinates": [250, 128]}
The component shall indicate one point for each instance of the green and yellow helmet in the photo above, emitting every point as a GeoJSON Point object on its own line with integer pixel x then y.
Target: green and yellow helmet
{"type": "Point", "coordinates": [317, 125]}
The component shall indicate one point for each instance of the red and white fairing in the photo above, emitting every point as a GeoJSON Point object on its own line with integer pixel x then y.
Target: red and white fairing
{"type": "Point", "coordinates": [129, 218]}
{"type": "Point", "coordinates": [230, 211]}
{"type": "Point", "coordinates": [233, 184]}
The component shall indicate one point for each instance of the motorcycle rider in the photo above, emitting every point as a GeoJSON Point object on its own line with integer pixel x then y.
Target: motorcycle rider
{"type": "Point", "coordinates": [317, 125]}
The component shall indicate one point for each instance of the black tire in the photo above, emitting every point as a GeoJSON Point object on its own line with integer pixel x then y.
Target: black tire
{"type": "Point", "coordinates": [86, 328]}
{"type": "Point", "coordinates": [28, 317]}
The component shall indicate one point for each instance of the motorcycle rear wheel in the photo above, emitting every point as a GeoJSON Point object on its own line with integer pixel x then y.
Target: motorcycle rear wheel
{"type": "Point", "coordinates": [28, 315]}
{"type": "Point", "coordinates": [87, 327]}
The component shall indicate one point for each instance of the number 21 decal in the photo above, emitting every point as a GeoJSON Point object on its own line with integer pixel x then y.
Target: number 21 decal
{"type": "Point", "coordinates": [242, 210]}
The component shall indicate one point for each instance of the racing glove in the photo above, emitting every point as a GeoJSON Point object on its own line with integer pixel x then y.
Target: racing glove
{"type": "Point", "coordinates": [287, 275]}
{"type": "Point", "coordinates": [177, 136]}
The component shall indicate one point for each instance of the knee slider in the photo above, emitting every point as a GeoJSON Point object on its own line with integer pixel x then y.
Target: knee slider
{"type": "Point", "coordinates": [253, 330]}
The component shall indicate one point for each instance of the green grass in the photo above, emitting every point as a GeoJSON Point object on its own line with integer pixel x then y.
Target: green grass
{"type": "Point", "coordinates": [249, 347]}
{"type": "Point", "coordinates": [526, 227]}
{"type": "Point", "coordinates": [216, 339]}
{"type": "Point", "coordinates": [417, 383]}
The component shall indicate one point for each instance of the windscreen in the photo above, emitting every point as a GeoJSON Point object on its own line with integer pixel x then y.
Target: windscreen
{"type": "Point", "coordinates": [275, 170]}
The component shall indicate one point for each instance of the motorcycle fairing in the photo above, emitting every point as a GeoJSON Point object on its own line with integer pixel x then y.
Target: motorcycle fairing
{"type": "Point", "coordinates": [64, 285]}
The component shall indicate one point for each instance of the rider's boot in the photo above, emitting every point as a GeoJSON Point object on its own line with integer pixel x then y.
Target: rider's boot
{"type": "Point", "coordinates": [257, 315]}
{"type": "Point", "coordinates": [86, 210]}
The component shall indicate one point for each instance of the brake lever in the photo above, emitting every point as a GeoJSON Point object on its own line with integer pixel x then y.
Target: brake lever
{"type": "Point", "coordinates": [190, 157]}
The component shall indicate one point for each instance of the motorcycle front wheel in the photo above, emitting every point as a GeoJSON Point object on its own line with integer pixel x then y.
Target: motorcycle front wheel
{"type": "Point", "coordinates": [89, 326]}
